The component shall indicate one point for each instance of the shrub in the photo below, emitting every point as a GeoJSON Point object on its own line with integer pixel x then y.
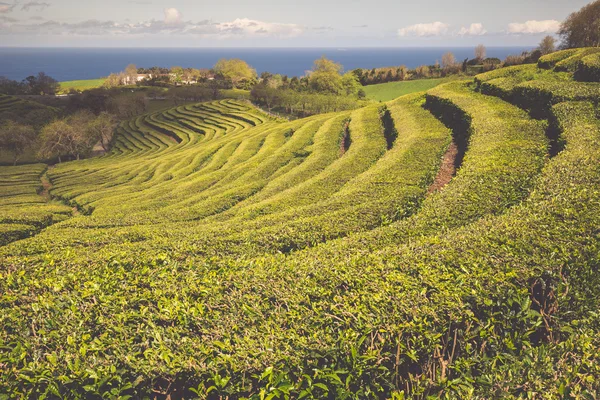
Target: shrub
{"type": "Point", "coordinates": [570, 64]}
{"type": "Point", "coordinates": [549, 61]}
{"type": "Point", "coordinates": [588, 69]}
{"type": "Point", "coordinates": [207, 266]}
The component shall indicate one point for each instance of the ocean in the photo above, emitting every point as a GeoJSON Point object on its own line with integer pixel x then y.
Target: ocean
{"type": "Point", "coordinates": [65, 64]}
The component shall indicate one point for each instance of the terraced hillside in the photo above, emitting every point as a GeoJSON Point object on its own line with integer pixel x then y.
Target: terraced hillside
{"type": "Point", "coordinates": [15, 105]}
{"type": "Point", "coordinates": [441, 245]}
{"type": "Point", "coordinates": [15, 109]}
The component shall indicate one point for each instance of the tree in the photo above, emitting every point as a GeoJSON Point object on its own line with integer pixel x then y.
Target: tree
{"type": "Point", "coordinates": [235, 70]}
{"type": "Point", "coordinates": [177, 74]}
{"type": "Point", "coordinates": [130, 74]}
{"type": "Point", "coordinates": [16, 138]}
{"type": "Point", "coordinates": [265, 94]}
{"type": "Point", "coordinates": [8, 86]}
{"type": "Point", "coordinates": [274, 81]}
{"type": "Point", "coordinates": [41, 84]}
{"type": "Point", "coordinates": [350, 84]}
{"type": "Point", "coordinates": [423, 71]}
{"type": "Point", "coordinates": [83, 139]}
{"type": "Point", "coordinates": [56, 138]}
{"type": "Point", "coordinates": [191, 75]}
{"type": "Point", "coordinates": [75, 135]}
{"type": "Point", "coordinates": [582, 28]}
{"type": "Point", "coordinates": [547, 45]}
{"type": "Point", "coordinates": [112, 81]}
{"type": "Point", "coordinates": [480, 52]}
{"type": "Point", "coordinates": [448, 61]}
{"type": "Point", "coordinates": [326, 76]}
{"type": "Point", "coordinates": [101, 129]}
{"type": "Point", "coordinates": [402, 73]}
{"type": "Point", "coordinates": [514, 60]}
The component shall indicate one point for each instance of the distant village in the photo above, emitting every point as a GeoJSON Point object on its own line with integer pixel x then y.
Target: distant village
{"type": "Point", "coordinates": [156, 75]}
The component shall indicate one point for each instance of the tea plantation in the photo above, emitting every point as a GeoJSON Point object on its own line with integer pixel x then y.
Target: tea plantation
{"type": "Point", "coordinates": [217, 253]}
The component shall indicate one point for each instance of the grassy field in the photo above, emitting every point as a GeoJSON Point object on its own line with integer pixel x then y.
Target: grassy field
{"type": "Point", "coordinates": [81, 85]}
{"type": "Point", "coordinates": [217, 253]}
{"type": "Point", "coordinates": [391, 90]}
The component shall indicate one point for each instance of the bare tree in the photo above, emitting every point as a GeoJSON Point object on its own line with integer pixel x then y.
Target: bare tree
{"type": "Point", "coordinates": [82, 141]}
{"type": "Point", "coordinates": [448, 61]}
{"type": "Point", "coordinates": [423, 71]}
{"type": "Point", "coordinates": [69, 136]}
{"type": "Point", "coordinates": [101, 129]}
{"type": "Point", "coordinates": [480, 52]}
{"type": "Point", "coordinates": [131, 74]}
{"type": "Point", "coordinates": [56, 140]}
{"type": "Point", "coordinates": [547, 45]}
{"type": "Point", "coordinates": [113, 80]}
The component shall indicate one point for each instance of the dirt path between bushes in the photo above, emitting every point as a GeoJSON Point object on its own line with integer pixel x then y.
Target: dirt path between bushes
{"type": "Point", "coordinates": [447, 169]}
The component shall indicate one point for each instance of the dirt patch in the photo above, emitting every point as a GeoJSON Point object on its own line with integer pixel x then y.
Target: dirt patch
{"type": "Point", "coordinates": [447, 169]}
{"type": "Point", "coordinates": [46, 186]}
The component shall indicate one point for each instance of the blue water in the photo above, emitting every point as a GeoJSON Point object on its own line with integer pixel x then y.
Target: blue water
{"type": "Point", "coordinates": [66, 64]}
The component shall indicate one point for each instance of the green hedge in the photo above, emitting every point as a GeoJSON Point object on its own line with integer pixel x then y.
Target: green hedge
{"type": "Point", "coordinates": [588, 69]}
{"type": "Point", "coordinates": [485, 289]}
{"type": "Point", "coordinates": [550, 60]}
{"type": "Point", "coordinates": [539, 96]}
{"type": "Point", "coordinates": [570, 64]}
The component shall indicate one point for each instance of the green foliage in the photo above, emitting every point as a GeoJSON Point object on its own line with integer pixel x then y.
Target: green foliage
{"type": "Point", "coordinates": [570, 64]}
{"type": "Point", "coordinates": [588, 69]}
{"type": "Point", "coordinates": [326, 77]}
{"type": "Point", "coordinates": [580, 29]}
{"type": "Point", "coordinates": [220, 253]}
{"type": "Point", "coordinates": [236, 70]}
{"type": "Point", "coordinates": [549, 61]}
{"type": "Point", "coordinates": [536, 89]}
{"type": "Point", "coordinates": [23, 212]}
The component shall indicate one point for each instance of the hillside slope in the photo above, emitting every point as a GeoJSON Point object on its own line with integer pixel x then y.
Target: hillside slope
{"type": "Point", "coordinates": [216, 253]}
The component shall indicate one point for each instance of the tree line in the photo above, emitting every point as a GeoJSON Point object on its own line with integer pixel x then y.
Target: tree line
{"type": "Point", "coordinates": [231, 73]}
{"type": "Point", "coordinates": [72, 136]}
{"type": "Point", "coordinates": [40, 84]}
{"type": "Point", "coordinates": [325, 88]}
{"type": "Point", "coordinates": [451, 66]}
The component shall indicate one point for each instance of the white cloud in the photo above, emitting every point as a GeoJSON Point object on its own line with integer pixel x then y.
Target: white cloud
{"type": "Point", "coordinates": [6, 8]}
{"type": "Point", "coordinates": [533, 27]}
{"type": "Point", "coordinates": [245, 27]}
{"type": "Point", "coordinates": [172, 24]}
{"type": "Point", "coordinates": [172, 16]}
{"type": "Point", "coordinates": [252, 27]}
{"type": "Point", "coordinates": [432, 29]}
{"type": "Point", "coordinates": [476, 29]}
{"type": "Point", "coordinates": [34, 4]}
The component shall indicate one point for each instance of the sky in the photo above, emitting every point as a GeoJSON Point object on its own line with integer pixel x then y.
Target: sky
{"type": "Point", "coordinates": [280, 23]}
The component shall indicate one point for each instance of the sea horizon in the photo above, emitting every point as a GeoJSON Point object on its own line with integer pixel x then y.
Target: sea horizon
{"type": "Point", "coordinates": [74, 63]}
